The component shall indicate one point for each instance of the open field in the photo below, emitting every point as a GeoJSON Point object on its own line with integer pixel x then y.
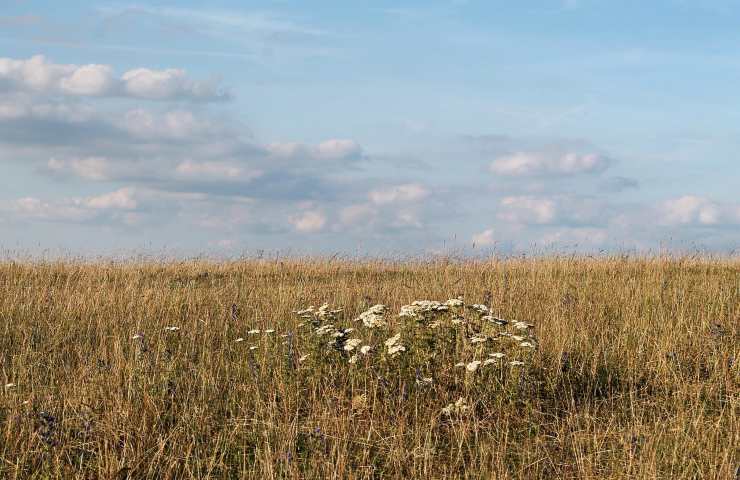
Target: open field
{"type": "Point", "coordinates": [629, 371]}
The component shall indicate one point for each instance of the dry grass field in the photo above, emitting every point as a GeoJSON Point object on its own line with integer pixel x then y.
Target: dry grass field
{"type": "Point", "coordinates": [172, 370]}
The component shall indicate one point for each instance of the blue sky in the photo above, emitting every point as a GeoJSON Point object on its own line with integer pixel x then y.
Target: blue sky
{"type": "Point", "coordinates": [369, 127]}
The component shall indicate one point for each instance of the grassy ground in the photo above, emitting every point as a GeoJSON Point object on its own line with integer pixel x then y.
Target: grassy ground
{"type": "Point", "coordinates": [632, 370]}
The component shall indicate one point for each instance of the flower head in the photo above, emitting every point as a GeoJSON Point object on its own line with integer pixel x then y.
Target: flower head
{"type": "Point", "coordinates": [373, 317]}
{"type": "Point", "coordinates": [351, 344]}
{"type": "Point", "coordinates": [473, 366]}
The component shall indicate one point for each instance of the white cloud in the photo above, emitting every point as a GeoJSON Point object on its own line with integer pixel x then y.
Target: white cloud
{"type": "Point", "coordinates": [337, 149]}
{"type": "Point", "coordinates": [690, 209]}
{"type": "Point", "coordinates": [88, 80]}
{"type": "Point", "coordinates": [328, 150]}
{"type": "Point", "coordinates": [90, 168]}
{"type": "Point", "coordinates": [122, 199]}
{"type": "Point", "coordinates": [484, 238]}
{"type": "Point", "coordinates": [528, 209]}
{"type": "Point", "coordinates": [408, 192]}
{"type": "Point", "coordinates": [541, 163]}
{"type": "Point", "coordinates": [311, 221]}
{"type": "Point", "coordinates": [215, 170]}
{"type": "Point", "coordinates": [39, 75]}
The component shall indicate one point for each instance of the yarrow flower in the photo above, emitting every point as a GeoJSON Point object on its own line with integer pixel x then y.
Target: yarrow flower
{"type": "Point", "coordinates": [351, 344]}
{"type": "Point", "coordinates": [239, 340]}
{"type": "Point", "coordinates": [473, 366]}
{"type": "Point", "coordinates": [526, 345]}
{"type": "Point", "coordinates": [254, 331]}
{"type": "Point", "coordinates": [329, 328]}
{"type": "Point", "coordinates": [365, 349]}
{"type": "Point", "coordinates": [373, 317]}
{"type": "Point", "coordinates": [420, 308]}
{"type": "Point", "coordinates": [172, 329]}
{"type": "Point", "coordinates": [454, 302]}
{"type": "Point", "coordinates": [458, 407]}
{"type": "Point", "coordinates": [482, 309]}
{"type": "Point", "coordinates": [393, 345]}
{"type": "Point", "coordinates": [498, 355]}
{"type": "Point", "coordinates": [478, 338]}
{"type": "Point", "coordinates": [516, 363]}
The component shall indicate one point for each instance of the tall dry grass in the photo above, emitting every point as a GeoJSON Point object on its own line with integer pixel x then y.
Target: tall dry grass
{"type": "Point", "coordinates": [635, 374]}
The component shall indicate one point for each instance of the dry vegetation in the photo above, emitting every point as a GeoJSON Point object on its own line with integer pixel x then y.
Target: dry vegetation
{"type": "Point", "coordinates": [632, 370]}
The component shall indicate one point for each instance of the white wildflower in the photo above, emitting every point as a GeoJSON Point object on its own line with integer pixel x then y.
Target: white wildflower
{"type": "Point", "coordinates": [482, 309]}
{"type": "Point", "coordinates": [497, 355]}
{"type": "Point", "coordinates": [352, 343]}
{"type": "Point", "coordinates": [365, 349]}
{"type": "Point", "coordinates": [270, 330]}
{"type": "Point", "coordinates": [373, 317]}
{"type": "Point", "coordinates": [517, 338]}
{"type": "Point", "coordinates": [458, 407]}
{"type": "Point", "coordinates": [324, 329]}
{"type": "Point", "coordinates": [137, 336]}
{"type": "Point", "coordinates": [253, 347]}
{"type": "Point", "coordinates": [353, 358]}
{"type": "Point", "coordinates": [522, 325]}
{"type": "Point", "coordinates": [396, 349]}
{"type": "Point", "coordinates": [473, 366]}
{"type": "Point", "coordinates": [254, 331]}
{"type": "Point", "coordinates": [240, 339]}
{"type": "Point", "coordinates": [478, 339]}
{"type": "Point", "coordinates": [172, 329]}
{"type": "Point", "coordinates": [460, 364]}
{"type": "Point", "coordinates": [516, 363]}
{"type": "Point", "coordinates": [489, 361]}
{"type": "Point", "coordinates": [455, 302]}
{"type": "Point", "coordinates": [526, 345]}
{"type": "Point", "coordinates": [393, 340]}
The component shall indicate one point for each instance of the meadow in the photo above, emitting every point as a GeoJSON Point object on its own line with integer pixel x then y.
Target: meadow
{"type": "Point", "coordinates": [561, 367]}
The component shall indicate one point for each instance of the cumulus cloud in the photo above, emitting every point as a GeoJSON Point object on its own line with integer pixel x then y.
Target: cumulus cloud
{"type": "Point", "coordinates": [691, 209]}
{"type": "Point", "coordinates": [484, 238]}
{"type": "Point", "coordinates": [542, 163]}
{"type": "Point", "coordinates": [121, 201]}
{"type": "Point", "coordinates": [328, 150]}
{"type": "Point", "coordinates": [39, 75]}
{"type": "Point", "coordinates": [562, 209]}
{"type": "Point", "coordinates": [310, 221]}
{"type": "Point", "coordinates": [527, 209]}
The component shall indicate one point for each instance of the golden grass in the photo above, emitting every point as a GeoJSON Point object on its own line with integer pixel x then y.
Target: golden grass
{"type": "Point", "coordinates": [635, 374]}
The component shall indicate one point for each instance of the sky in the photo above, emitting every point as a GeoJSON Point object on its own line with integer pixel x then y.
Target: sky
{"type": "Point", "coordinates": [369, 127]}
